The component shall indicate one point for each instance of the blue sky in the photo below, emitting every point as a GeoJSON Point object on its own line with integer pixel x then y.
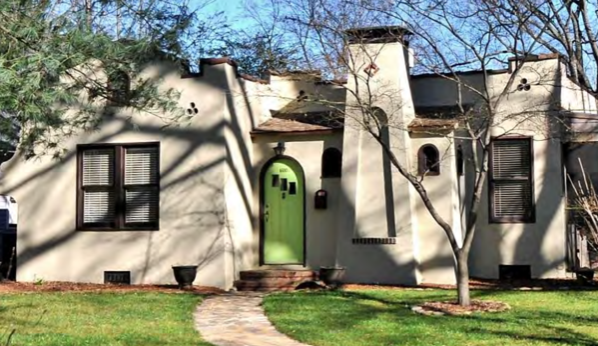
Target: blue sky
{"type": "Point", "coordinates": [233, 10]}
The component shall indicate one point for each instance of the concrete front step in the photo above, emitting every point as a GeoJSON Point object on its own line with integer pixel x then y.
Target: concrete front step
{"type": "Point", "coordinates": [268, 280]}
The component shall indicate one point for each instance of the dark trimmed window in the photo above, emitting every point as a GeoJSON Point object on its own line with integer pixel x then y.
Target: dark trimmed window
{"type": "Point", "coordinates": [118, 186]}
{"type": "Point", "coordinates": [511, 181]}
{"type": "Point", "coordinates": [428, 159]}
{"type": "Point", "coordinates": [332, 163]}
{"type": "Point", "coordinates": [460, 161]}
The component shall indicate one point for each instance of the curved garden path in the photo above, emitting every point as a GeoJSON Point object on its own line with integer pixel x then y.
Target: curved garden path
{"type": "Point", "coordinates": [238, 320]}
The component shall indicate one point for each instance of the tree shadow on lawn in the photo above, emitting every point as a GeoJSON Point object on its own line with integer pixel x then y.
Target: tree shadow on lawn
{"type": "Point", "coordinates": [523, 324]}
{"type": "Point", "coordinates": [558, 335]}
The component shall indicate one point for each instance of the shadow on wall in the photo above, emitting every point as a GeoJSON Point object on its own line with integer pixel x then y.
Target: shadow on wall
{"type": "Point", "coordinates": [542, 243]}
{"type": "Point", "coordinates": [184, 221]}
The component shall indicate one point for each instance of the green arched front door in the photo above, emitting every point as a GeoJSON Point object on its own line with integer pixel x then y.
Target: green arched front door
{"type": "Point", "coordinates": [283, 213]}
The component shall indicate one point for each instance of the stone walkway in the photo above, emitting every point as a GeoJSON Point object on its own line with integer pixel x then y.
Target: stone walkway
{"type": "Point", "coordinates": [238, 320]}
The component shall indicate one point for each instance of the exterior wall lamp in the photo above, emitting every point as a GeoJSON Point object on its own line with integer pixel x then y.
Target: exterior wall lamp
{"type": "Point", "coordinates": [279, 149]}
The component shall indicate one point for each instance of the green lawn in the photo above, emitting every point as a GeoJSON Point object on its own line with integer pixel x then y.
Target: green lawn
{"type": "Point", "coordinates": [106, 319]}
{"type": "Point", "coordinates": [382, 318]}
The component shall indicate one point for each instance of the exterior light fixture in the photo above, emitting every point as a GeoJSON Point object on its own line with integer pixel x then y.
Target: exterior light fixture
{"type": "Point", "coordinates": [279, 149]}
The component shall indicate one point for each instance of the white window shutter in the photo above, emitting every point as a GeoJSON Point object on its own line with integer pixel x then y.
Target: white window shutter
{"type": "Point", "coordinates": [98, 206]}
{"type": "Point", "coordinates": [141, 165]}
{"type": "Point", "coordinates": [98, 167]}
{"type": "Point", "coordinates": [141, 184]}
{"type": "Point", "coordinates": [98, 181]}
{"type": "Point", "coordinates": [141, 204]}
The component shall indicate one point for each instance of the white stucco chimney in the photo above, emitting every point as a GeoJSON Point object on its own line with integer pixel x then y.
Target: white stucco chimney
{"type": "Point", "coordinates": [380, 58]}
{"type": "Point", "coordinates": [386, 44]}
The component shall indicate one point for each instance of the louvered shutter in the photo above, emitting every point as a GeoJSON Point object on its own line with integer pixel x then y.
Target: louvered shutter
{"type": "Point", "coordinates": [141, 185]}
{"type": "Point", "coordinates": [98, 186]}
{"type": "Point", "coordinates": [511, 192]}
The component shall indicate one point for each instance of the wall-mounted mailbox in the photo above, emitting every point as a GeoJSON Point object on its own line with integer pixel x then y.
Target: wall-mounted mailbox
{"type": "Point", "coordinates": [321, 199]}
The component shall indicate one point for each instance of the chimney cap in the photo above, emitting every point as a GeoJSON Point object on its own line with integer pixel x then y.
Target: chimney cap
{"type": "Point", "coordinates": [378, 34]}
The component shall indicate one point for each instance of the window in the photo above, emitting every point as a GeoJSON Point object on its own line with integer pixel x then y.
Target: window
{"type": "Point", "coordinates": [428, 160]}
{"type": "Point", "coordinates": [119, 88]}
{"type": "Point", "coordinates": [118, 187]}
{"type": "Point", "coordinates": [460, 161]}
{"type": "Point", "coordinates": [332, 162]}
{"type": "Point", "coordinates": [511, 185]}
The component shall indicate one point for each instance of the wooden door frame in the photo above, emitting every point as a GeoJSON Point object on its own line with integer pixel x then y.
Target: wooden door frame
{"type": "Point", "coordinates": [262, 200]}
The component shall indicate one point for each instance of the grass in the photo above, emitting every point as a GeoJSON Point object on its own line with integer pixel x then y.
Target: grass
{"type": "Point", "coordinates": [382, 318]}
{"type": "Point", "coordinates": [106, 319]}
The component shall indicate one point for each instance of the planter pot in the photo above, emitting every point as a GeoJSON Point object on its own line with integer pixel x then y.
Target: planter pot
{"type": "Point", "coordinates": [585, 276]}
{"type": "Point", "coordinates": [332, 275]}
{"type": "Point", "coordinates": [185, 275]}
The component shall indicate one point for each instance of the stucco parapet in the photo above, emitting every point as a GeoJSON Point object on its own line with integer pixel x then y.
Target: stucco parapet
{"type": "Point", "coordinates": [536, 57]}
{"type": "Point", "coordinates": [219, 61]}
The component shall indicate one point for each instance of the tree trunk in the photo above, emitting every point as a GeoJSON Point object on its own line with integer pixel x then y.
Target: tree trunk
{"type": "Point", "coordinates": [463, 279]}
{"type": "Point", "coordinates": [88, 14]}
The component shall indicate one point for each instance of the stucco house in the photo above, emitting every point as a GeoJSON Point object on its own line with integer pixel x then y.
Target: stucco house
{"type": "Point", "coordinates": [262, 177]}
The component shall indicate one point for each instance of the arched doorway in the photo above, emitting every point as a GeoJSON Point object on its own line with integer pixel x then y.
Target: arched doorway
{"type": "Point", "coordinates": [283, 212]}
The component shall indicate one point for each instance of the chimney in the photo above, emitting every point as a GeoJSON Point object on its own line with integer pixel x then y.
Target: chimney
{"type": "Point", "coordinates": [381, 35]}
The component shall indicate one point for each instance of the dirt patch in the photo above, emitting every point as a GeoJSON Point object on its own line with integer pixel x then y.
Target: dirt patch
{"type": "Point", "coordinates": [452, 308]}
{"type": "Point", "coordinates": [56, 286]}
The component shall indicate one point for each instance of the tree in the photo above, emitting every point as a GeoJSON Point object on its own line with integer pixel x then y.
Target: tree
{"type": "Point", "coordinates": [256, 53]}
{"type": "Point", "coordinates": [448, 38]}
{"type": "Point", "coordinates": [47, 49]}
{"type": "Point", "coordinates": [565, 27]}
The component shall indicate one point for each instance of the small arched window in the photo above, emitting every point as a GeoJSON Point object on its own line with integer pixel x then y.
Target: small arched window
{"type": "Point", "coordinates": [332, 162]}
{"type": "Point", "coordinates": [119, 88]}
{"type": "Point", "coordinates": [429, 160]}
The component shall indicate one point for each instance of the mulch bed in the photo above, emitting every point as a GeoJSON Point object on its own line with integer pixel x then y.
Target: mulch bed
{"type": "Point", "coordinates": [452, 308]}
{"type": "Point", "coordinates": [56, 286]}
{"type": "Point", "coordinates": [489, 284]}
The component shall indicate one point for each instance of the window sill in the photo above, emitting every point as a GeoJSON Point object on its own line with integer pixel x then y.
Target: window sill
{"type": "Point", "coordinates": [429, 174]}
{"type": "Point", "coordinates": [503, 221]}
{"type": "Point", "coordinates": [149, 229]}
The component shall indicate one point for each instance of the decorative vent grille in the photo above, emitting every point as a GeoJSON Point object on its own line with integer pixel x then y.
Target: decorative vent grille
{"type": "Point", "coordinates": [514, 272]}
{"type": "Point", "coordinates": [375, 241]}
{"type": "Point", "coordinates": [117, 277]}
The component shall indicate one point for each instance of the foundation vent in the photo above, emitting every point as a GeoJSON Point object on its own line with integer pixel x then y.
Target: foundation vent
{"type": "Point", "coordinates": [375, 241]}
{"type": "Point", "coordinates": [117, 277]}
{"type": "Point", "coordinates": [514, 272]}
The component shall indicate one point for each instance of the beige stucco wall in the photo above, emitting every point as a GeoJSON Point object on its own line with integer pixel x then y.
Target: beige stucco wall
{"type": "Point", "coordinates": [195, 169]}
{"type": "Point", "coordinates": [574, 99]}
{"type": "Point", "coordinates": [541, 244]}
{"type": "Point", "coordinates": [210, 188]}
{"type": "Point", "coordinates": [365, 212]}
{"type": "Point", "coordinates": [435, 255]}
